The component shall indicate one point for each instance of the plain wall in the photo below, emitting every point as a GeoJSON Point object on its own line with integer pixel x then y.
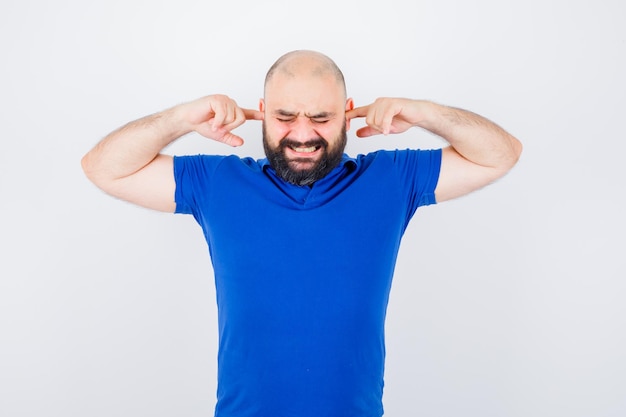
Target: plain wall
{"type": "Point", "coordinates": [507, 302]}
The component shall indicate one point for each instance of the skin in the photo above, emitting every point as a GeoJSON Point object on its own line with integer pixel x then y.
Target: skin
{"type": "Point", "coordinates": [480, 151]}
{"type": "Point", "coordinates": [302, 101]}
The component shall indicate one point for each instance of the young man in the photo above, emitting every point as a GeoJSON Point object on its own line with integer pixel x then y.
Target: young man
{"type": "Point", "coordinates": [304, 242]}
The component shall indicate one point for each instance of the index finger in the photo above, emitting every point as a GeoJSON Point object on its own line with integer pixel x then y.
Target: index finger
{"type": "Point", "coordinates": [358, 112]}
{"type": "Point", "coordinates": [253, 114]}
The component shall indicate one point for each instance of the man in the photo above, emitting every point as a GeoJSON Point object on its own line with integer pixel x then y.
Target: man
{"type": "Point", "coordinates": [303, 243]}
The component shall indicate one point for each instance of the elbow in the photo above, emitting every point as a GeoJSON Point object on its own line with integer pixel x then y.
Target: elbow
{"type": "Point", "coordinates": [517, 149]}
{"type": "Point", "coordinates": [513, 155]}
{"type": "Point", "coordinates": [93, 171]}
{"type": "Point", "coordinates": [87, 166]}
{"type": "Point", "coordinates": [508, 158]}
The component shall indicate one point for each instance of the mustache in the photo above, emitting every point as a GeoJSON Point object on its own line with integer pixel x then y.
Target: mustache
{"type": "Point", "coordinates": [316, 142]}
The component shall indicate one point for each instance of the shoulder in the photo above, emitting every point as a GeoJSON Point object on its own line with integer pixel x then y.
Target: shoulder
{"type": "Point", "coordinates": [400, 158]}
{"type": "Point", "coordinates": [211, 163]}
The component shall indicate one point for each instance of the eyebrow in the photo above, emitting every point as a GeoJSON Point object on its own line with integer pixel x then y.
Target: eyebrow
{"type": "Point", "coordinates": [320, 115]}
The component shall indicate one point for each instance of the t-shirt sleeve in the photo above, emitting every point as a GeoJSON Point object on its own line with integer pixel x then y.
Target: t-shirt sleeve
{"type": "Point", "coordinates": [418, 174]}
{"type": "Point", "coordinates": [193, 176]}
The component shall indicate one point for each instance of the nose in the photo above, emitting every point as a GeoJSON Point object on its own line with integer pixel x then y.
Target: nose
{"type": "Point", "coordinates": [303, 130]}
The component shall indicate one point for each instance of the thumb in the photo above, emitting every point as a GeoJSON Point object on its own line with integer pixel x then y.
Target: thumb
{"type": "Point", "coordinates": [367, 131]}
{"type": "Point", "coordinates": [220, 135]}
{"type": "Point", "coordinates": [229, 138]}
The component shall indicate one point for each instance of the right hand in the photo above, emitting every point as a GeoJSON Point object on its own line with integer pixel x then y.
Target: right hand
{"type": "Point", "coordinates": [215, 117]}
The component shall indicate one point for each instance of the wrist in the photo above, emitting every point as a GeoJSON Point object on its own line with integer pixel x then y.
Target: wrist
{"type": "Point", "coordinates": [179, 120]}
{"type": "Point", "coordinates": [424, 114]}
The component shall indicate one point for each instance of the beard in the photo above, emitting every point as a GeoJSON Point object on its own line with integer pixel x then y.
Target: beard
{"type": "Point", "coordinates": [288, 170]}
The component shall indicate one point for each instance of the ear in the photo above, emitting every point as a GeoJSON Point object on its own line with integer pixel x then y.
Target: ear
{"type": "Point", "coordinates": [349, 106]}
{"type": "Point", "coordinates": [261, 105]}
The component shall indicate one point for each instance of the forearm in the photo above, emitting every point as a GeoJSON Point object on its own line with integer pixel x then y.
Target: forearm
{"type": "Point", "coordinates": [472, 136]}
{"type": "Point", "coordinates": [133, 146]}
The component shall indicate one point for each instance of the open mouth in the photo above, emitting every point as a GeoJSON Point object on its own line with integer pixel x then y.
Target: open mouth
{"type": "Point", "coordinates": [304, 149]}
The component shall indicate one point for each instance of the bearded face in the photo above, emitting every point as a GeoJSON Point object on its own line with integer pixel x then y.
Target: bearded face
{"type": "Point", "coordinates": [303, 163]}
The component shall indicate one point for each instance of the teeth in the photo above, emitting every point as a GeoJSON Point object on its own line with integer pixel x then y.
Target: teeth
{"type": "Point", "coordinates": [305, 150]}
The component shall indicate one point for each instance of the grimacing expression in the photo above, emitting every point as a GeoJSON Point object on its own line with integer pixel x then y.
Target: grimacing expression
{"type": "Point", "coordinates": [304, 125]}
{"type": "Point", "coordinates": [304, 170]}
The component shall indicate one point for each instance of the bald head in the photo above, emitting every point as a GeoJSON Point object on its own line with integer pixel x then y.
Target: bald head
{"type": "Point", "coordinates": [302, 64]}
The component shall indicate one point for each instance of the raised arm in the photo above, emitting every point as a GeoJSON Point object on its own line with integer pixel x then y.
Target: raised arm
{"type": "Point", "coordinates": [479, 153]}
{"type": "Point", "coordinates": [127, 163]}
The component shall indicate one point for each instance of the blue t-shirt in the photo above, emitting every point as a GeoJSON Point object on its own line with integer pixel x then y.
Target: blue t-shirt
{"type": "Point", "coordinates": [303, 276]}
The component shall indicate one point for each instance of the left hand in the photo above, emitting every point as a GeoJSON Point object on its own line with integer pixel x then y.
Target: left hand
{"type": "Point", "coordinates": [387, 115]}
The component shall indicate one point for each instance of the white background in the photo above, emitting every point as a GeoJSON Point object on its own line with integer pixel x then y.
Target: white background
{"type": "Point", "coordinates": [507, 302]}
